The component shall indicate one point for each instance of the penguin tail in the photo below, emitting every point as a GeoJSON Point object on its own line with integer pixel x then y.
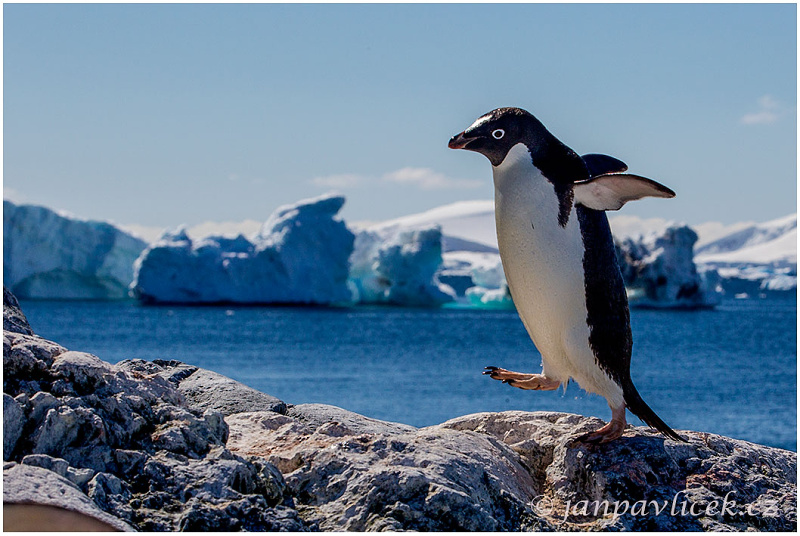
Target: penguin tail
{"type": "Point", "coordinates": [634, 402]}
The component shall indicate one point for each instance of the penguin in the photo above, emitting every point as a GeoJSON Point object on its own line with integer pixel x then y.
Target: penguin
{"type": "Point", "coordinates": [558, 256]}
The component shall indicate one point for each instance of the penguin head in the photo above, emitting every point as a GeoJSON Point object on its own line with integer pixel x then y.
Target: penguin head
{"type": "Point", "coordinates": [495, 133]}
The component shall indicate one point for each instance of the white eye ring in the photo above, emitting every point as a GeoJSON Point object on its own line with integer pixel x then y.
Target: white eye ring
{"type": "Point", "coordinates": [499, 133]}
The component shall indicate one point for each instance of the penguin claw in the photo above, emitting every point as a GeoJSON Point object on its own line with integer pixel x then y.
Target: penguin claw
{"type": "Point", "coordinates": [587, 438]}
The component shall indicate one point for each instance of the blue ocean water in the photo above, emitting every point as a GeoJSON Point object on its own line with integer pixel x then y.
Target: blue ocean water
{"type": "Point", "coordinates": [731, 371]}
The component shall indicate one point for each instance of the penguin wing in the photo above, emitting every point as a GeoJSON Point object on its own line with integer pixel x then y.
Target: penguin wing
{"type": "Point", "coordinates": [600, 164]}
{"type": "Point", "coordinates": [612, 190]}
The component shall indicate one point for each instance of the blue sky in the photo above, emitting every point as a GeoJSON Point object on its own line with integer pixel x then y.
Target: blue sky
{"type": "Point", "coordinates": [167, 114]}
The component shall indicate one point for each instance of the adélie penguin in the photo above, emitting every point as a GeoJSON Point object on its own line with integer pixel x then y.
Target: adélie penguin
{"type": "Point", "coordinates": [558, 256]}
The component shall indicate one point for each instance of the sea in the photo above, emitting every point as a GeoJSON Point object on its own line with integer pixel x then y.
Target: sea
{"type": "Point", "coordinates": [731, 370]}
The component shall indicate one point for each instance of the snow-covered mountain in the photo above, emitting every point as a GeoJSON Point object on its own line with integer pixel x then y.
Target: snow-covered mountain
{"type": "Point", "coordinates": [755, 259]}
{"type": "Point", "coordinates": [466, 225]}
{"type": "Point", "coordinates": [770, 243]}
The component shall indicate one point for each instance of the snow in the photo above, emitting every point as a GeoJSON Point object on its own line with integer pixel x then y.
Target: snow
{"type": "Point", "coordinates": [392, 265]}
{"type": "Point", "coordinates": [763, 254]}
{"type": "Point", "coordinates": [300, 256]}
{"type": "Point", "coordinates": [772, 242]}
{"type": "Point", "coordinates": [471, 221]}
{"type": "Point", "coordinates": [779, 250]}
{"type": "Point", "coordinates": [48, 255]}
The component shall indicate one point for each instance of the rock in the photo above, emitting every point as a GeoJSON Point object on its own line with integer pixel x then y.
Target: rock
{"type": "Point", "coordinates": [26, 362]}
{"type": "Point", "coordinates": [516, 471]}
{"type": "Point", "coordinates": [84, 371]}
{"type": "Point", "coordinates": [127, 441]}
{"type": "Point", "coordinates": [220, 492]}
{"type": "Point", "coordinates": [707, 473]}
{"type": "Point", "coordinates": [323, 415]}
{"type": "Point", "coordinates": [371, 475]}
{"type": "Point", "coordinates": [12, 425]}
{"type": "Point", "coordinates": [79, 477]}
{"type": "Point", "coordinates": [181, 431]}
{"type": "Point", "coordinates": [26, 485]}
{"type": "Point", "coordinates": [111, 494]}
{"type": "Point", "coordinates": [13, 318]}
{"type": "Point", "coordinates": [205, 390]}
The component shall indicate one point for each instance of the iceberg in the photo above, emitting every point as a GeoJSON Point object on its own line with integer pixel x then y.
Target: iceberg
{"type": "Point", "coordinates": [490, 298]}
{"type": "Point", "coordinates": [659, 271]}
{"type": "Point", "coordinates": [477, 278]}
{"type": "Point", "coordinates": [300, 256]}
{"type": "Point", "coordinates": [47, 255]}
{"type": "Point", "coordinates": [398, 266]}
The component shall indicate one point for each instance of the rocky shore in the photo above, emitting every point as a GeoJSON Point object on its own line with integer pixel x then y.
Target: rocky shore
{"type": "Point", "coordinates": [165, 445]}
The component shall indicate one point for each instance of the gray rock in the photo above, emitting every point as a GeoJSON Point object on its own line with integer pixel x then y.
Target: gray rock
{"type": "Point", "coordinates": [23, 484]}
{"type": "Point", "coordinates": [220, 492]}
{"type": "Point", "coordinates": [127, 437]}
{"type": "Point", "coordinates": [63, 426]}
{"type": "Point", "coordinates": [316, 415]}
{"type": "Point", "coordinates": [26, 362]}
{"type": "Point", "coordinates": [79, 477]}
{"type": "Point", "coordinates": [40, 404]}
{"type": "Point", "coordinates": [516, 471]}
{"type": "Point", "coordinates": [383, 476]}
{"type": "Point", "coordinates": [83, 370]}
{"type": "Point", "coordinates": [642, 467]}
{"type": "Point", "coordinates": [205, 389]}
{"type": "Point", "coordinates": [111, 494]}
{"type": "Point", "coordinates": [13, 418]}
{"type": "Point", "coordinates": [13, 318]}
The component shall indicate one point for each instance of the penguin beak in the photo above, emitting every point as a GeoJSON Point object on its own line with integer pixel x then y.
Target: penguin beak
{"type": "Point", "coordinates": [459, 141]}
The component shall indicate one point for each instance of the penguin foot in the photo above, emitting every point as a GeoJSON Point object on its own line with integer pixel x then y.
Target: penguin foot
{"type": "Point", "coordinates": [611, 431]}
{"type": "Point", "coordinates": [534, 382]}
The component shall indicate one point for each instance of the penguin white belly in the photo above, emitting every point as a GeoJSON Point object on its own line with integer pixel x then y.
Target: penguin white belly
{"type": "Point", "coordinates": [543, 263]}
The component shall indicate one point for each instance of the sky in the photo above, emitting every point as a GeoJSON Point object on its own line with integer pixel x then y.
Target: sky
{"type": "Point", "coordinates": [161, 115]}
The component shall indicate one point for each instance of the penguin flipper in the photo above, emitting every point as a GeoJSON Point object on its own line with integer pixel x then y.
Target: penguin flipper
{"type": "Point", "coordinates": [600, 164]}
{"type": "Point", "coordinates": [612, 190]}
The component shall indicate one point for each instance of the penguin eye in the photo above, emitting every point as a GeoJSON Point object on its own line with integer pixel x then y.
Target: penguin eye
{"type": "Point", "coordinates": [499, 133]}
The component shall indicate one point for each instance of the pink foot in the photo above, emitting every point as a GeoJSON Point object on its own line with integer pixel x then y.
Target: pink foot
{"type": "Point", "coordinates": [611, 431]}
{"type": "Point", "coordinates": [535, 382]}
